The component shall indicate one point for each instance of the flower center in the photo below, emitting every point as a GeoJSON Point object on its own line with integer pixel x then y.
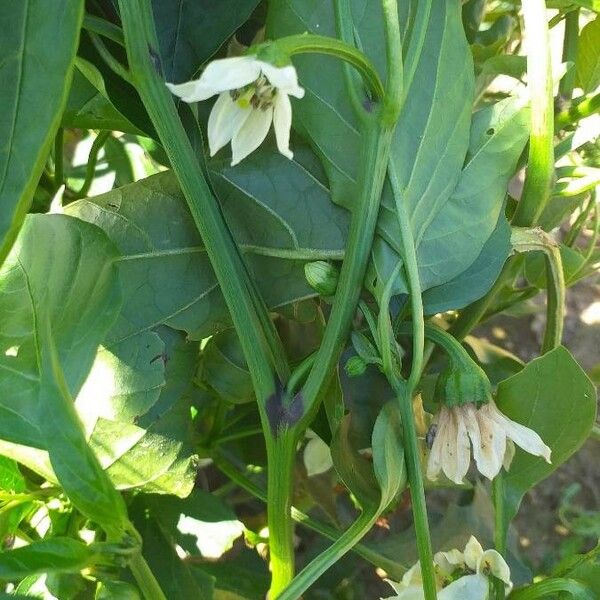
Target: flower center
{"type": "Point", "coordinates": [258, 95]}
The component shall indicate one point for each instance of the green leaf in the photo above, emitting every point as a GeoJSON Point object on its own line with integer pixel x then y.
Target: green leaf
{"type": "Point", "coordinates": [142, 434]}
{"type": "Point", "coordinates": [459, 226]}
{"type": "Point", "coordinates": [474, 282]}
{"type": "Point", "coordinates": [75, 464]}
{"type": "Point", "coordinates": [588, 56]}
{"type": "Point", "coordinates": [38, 44]}
{"type": "Point", "coordinates": [174, 575]}
{"type": "Point", "coordinates": [278, 212]}
{"type": "Point", "coordinates": [11, 479]}
{"type": "Point", "coordinates": [88, 105]}
{"type": "Point", "coordinates": [553, 396]}
{"type": "Point", "coordinates": [190, 31]}
{"type": "Point", "coordinates": [53, 555]}
{"type": "Point", "coordinates": [388, 454]}
{"type": "Point", "coordinates": [453, 182]}
{"type": "Point", "coordinates": [65, 267]}
{"type": "Point", "coordinates": [354, 469]}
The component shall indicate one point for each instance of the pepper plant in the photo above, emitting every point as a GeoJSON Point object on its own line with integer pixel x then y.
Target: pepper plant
{"type": "Point", "coordinates": [239, 345]}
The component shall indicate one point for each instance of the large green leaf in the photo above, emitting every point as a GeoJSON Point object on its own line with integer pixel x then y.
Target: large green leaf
{"type": "Point", "coordinates": [280, 214]}
{"type": "Point", "coordinates": [191, 31]}
{"type": "Point", "coordinates": [451, 173]}
{"type": "Point", "coordinates": [65, 266]}
{"type": "Point", "coordinates": [553, 396]}
{"type": "Point", "coordinates": [38, 44]}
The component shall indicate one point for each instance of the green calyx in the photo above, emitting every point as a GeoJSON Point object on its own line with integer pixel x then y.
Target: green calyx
{"type": "Point", "coordinates": [463, 383]}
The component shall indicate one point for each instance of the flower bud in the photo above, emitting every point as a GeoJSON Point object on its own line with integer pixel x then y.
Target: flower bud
{"type": "Point", "coordinates": [355, 366]}
{"type": "Point", "coordinates": [322, 277]}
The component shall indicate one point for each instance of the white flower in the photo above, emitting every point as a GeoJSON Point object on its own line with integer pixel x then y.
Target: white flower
{"type": "Point", "coordinates": [252, 95]}
{"type": "Point", "coordinates": [476, 564]}
{"type": "Point", "coordinates": [489, 432]}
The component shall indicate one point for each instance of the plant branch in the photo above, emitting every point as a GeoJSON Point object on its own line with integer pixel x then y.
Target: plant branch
{"type": "Point", "coordinates": [540, 170]}
{"type": "Point", "coordinates": [90, 169]}
{"type": "Point", "coordinates": [405, 393]}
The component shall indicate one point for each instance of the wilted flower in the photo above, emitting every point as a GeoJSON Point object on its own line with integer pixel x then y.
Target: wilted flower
{"type": "Point", "coordinates": [459, 575]}
{"type": "Point", "coordinates": [252, 95]}
{"type": "Point", "coordinates": [490, 433]}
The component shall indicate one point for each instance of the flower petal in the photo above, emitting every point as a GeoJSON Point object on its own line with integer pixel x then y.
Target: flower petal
{"type": "Point", "coordinates": [463, 446]}
{"type": "Point", "coordinates": [473, 553]}
{"type": "Point", "coordinates": [481, 431]}
{"type": "Point", "coordinates": [283, 78]}
{"type": "Point", "coordinates": [471, 587]}
{"type": "Point", "coordinates": [251, 134]}
{"type": "Point", "coordinates": [492, 562]}
{"type": "Point", "coordinates": [434, 463]}
{"type": "Point", "coordinates": [282, 122]}
{"type": "Point", "coordinates": [226, 118]}
{"type": "Point", "coordinates": [448, 562]}
{"type": "Point", "coordinates": [219, 76]}
{"type": "Point", "coordinates": [450, 450]}
{"type": "Point", "coordinates": [525, 438]}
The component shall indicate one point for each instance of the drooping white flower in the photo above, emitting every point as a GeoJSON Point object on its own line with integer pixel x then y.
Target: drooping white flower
{"type": "Point", "coordinates": [252, 95]}
{"type": "Point", "coordinates": [488, 431]}
{"type": "Point", "coordinates": [458, 575]}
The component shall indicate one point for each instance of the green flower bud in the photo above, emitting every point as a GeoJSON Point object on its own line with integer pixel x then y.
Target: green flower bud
{"type": "Point", "coordinates": [322, 277]}
{"type": "Point", "coordinates": [355, 366]}
{"type": "Point", "coordinates": [462, 383]}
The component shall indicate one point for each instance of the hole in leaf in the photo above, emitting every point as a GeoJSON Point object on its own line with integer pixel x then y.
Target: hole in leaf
{"type": "Point", "coordinates": [491, 131]}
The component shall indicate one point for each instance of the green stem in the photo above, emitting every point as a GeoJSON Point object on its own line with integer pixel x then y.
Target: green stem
{"type": "Point", "coordinates": [311, 43]}
{"type": "Point", "coordinates": [103, 28]}
{"type": "Point", "coordinates": [499, 528]}
{"type": "Point", "coordinates": [581, 108]}
{"type": "Point", "coordinates": [375, 154]}
{"type": "Point", "coordinates": [114, 65]}
{"type": "Point", "coordinates": [329, 557]}
{"type": "Point", "coordinates": [59, 160]}
{"type": "Point", "coordinates": [145, 578]}
{"type": "Point", "coordinates": [345, 31]}
{"type": "Point", "coordinates": [376, 559]}
{"type": "Point", "coordinates": [90, 170]}
{"type": "Point", "coordinates": [281, 452]}
{"type": "Point", "coordinates": [262, 348]}
{"type": "Point", "coordinates": [538, 180]}
{"type": "Point", "coordinates": [411, 448]}
{"type": "Point", "coordinates": [569, 54]}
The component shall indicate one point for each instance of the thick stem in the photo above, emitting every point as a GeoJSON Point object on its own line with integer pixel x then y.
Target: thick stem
{"type": "Point", "coordinates": [329, 557]}
{"type": "Point", "coordinates": [375, 558]}
{"type": "Point", "coordinates": [145, 578]}
{"type": "Point", "coordinates": [540, 170]}
{"type": "Point", "coordinates": [262, 348]}
{"type": "Point", "coordinates": [411, 448]}
{"type": "Point", "coordinates": [280, 474]}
